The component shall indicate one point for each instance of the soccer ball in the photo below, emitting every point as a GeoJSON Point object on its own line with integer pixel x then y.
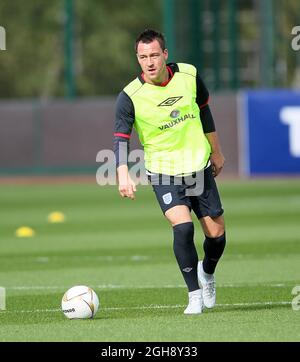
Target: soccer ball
{"type": "Point", "coordinates": [80, 302]}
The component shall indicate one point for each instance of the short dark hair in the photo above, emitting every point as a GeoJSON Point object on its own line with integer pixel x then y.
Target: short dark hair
{"type": "Point", "coordinates": [148, 35]}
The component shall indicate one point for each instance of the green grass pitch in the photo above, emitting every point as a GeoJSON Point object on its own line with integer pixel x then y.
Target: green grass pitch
{"type": "Point", "coordinates": [123, 249]}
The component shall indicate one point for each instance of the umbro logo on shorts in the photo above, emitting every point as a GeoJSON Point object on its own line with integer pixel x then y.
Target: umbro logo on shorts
{"type": "Point", "coordinates": [169, 101]}
{"type": "Point", "coordinates": [167, 198]}
{"type": "Point", "coordinates": [187, 270]}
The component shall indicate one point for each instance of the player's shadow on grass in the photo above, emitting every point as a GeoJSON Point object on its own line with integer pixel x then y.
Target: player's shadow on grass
{"type": "Point", "coordinates": [136, 313]}
{"type": "Point", "coordinates": [178, 311]}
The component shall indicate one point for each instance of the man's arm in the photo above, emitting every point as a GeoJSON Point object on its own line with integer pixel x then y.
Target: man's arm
{"type": "Point", "coordinates": [216, 157]}
{"type": "Point", "coordinates": [123, 126]}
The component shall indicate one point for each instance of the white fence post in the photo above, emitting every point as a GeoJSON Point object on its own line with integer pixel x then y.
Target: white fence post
{"type": "Point", "coordinates": [2, 298]}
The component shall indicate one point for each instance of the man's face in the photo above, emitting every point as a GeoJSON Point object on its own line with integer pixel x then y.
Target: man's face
{"type": "Point", "coordinates": [152, 60]}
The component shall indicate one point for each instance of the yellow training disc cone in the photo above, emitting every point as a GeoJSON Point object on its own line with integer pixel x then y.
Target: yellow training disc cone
{"type": "Point", "coordinates": [24, 232]}
{"type": "Point", "coordinates": [56, 216]}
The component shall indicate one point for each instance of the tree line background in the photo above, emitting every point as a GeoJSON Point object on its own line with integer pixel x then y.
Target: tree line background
{"type": "Point", "coordinates": [105, 30]}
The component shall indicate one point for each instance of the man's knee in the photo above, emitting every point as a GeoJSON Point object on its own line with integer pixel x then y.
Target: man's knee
{"type": "Point", "coordinates": [213, 227]}
{"type": "Point", "coordinates": [215, 232]}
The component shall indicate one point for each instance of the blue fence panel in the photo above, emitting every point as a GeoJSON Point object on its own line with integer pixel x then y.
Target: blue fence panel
{"type": "Point", "coordinates": [272, 132]}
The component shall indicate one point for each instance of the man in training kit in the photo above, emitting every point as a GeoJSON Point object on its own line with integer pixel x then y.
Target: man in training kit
{"type": "Point", "coordinates": [168, 106]}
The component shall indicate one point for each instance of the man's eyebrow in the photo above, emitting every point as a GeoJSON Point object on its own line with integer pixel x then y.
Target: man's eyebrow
{"type": "Point", "coordinates": [151, 54]}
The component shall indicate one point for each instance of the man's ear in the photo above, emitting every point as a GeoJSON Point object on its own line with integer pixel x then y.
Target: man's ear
{"type": "Point", "coordinates": [166, 54]}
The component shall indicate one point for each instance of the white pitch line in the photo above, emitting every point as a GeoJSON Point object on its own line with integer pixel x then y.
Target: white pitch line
{"type": "Point", "coordinates": [154, 306]}
{"type": "Point", "coordinates": [116, 286]}
{"type": "Point", "coordinates": [43, 259]}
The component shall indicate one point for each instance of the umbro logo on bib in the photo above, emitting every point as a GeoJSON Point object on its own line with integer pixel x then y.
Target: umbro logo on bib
{"type": "Point", "coordinates": [167, 198]}
{"type": "Point", "coordinates": [169, 101]}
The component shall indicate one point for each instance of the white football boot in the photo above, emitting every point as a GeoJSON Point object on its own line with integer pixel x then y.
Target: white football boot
{"type": "Point", "coordinates": [195, 305]}
{"type": "Point", "coordinates": [208, 287]}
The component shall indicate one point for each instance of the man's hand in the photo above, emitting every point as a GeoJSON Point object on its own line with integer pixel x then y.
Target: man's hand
{"type": "Point", "coordinates": [216, 157]}
{"type": "Point", "coordinates": [127, 187]}
{"type": "Point", "coordinates": [217, 162]}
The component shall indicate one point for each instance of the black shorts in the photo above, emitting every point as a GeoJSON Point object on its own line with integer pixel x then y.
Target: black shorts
{"type": "Point", "coordinates": [171, 191]}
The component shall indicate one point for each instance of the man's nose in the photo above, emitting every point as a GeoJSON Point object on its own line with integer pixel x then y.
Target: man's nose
{"type": "Point", "coordinates": [149, 61]}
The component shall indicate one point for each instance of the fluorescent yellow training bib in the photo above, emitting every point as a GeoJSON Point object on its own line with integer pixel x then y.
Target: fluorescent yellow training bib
{"type": "Point", "coordinates": [167, 120]}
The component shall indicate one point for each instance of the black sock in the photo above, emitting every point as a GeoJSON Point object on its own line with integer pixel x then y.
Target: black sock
{"type": "Point", "coordinates": [213, 249]}
{"type": "Point", "coordinates": [186, 253]}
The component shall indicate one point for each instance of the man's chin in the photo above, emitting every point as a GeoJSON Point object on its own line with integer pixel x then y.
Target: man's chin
{"type": "Point", "coordinates": [152, 76]}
